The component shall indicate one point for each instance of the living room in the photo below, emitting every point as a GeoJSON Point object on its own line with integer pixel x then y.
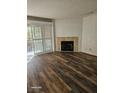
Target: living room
{"type": "Point", "coordinates": [62, 43]}
{"type": "Point", "coordinates": [62, 46]}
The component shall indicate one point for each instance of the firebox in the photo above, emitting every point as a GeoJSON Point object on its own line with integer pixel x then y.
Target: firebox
{"type": "Point", "coordinates": [67, 45]}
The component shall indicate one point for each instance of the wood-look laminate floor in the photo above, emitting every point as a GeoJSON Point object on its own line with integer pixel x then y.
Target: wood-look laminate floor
{"type": "Point", "coordinates": [62, 72]}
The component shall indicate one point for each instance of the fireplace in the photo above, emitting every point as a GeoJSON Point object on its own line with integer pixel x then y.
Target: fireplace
{"type": "Point", "coordinates": [67, 46]}
{"type": "Point", "coordinates": [59, 40]}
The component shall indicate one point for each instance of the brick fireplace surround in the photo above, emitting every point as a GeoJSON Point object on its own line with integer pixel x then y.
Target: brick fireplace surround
{"type": "Point", "coordinates": [59, 39]}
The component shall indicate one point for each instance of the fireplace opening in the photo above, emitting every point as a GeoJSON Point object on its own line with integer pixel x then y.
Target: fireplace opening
{"type": "Point", "coordinates": [67, 45]}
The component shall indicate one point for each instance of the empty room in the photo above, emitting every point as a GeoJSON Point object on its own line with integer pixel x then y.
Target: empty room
{"type": "Point", "coordinates": [61, 46]}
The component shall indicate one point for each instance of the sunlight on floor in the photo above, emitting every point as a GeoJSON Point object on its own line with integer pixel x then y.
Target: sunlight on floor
{"type": "Point", "coordinates": [29, 56]}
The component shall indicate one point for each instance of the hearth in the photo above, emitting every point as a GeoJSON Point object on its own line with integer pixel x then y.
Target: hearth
{"type": "Point", "coordinates": [67, 46]}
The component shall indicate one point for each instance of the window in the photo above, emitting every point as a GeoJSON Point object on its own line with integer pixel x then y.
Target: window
{"type": "Point", "coordinates": [39, 38]}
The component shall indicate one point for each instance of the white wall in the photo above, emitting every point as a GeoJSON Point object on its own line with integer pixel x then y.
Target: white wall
{"type": "Point", "coordinates": [85, 29]}
{"type": "Point", "coordinates": [68, 28]}
{"type": "Point", "coordinates": [89, 34]}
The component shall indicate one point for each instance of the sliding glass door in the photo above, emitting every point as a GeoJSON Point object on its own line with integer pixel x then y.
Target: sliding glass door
{"type": "Point", "coordinates": [39, 38]}
{"type": "Point", "coordinates": [48, 38]}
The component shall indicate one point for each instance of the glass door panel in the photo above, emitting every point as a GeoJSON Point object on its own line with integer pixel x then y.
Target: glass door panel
{"type": "Point", "coordinates": [38, 45]}
{"type": "Point", "coordinates": [30, 48]}
{"type": "Point", "coordinates": [37, 34]}
{"type": "Point", "coordinates": [37, 39]}
{"type": "Point", "coordinates": [48, 31]}
{"type": "Point", "coordinates": [48, 45]}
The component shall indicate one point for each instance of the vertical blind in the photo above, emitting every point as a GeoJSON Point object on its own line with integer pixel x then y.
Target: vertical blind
{"type": "Point", "coordinates": [39, 37]}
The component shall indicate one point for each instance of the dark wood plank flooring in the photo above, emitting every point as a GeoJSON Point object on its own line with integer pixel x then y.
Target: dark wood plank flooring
{"type": "Point", "coordinates": [62, 72]}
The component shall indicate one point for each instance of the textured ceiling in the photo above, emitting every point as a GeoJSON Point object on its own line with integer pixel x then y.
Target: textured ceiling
{"type": "Point", "coordinates": [59, 9]}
